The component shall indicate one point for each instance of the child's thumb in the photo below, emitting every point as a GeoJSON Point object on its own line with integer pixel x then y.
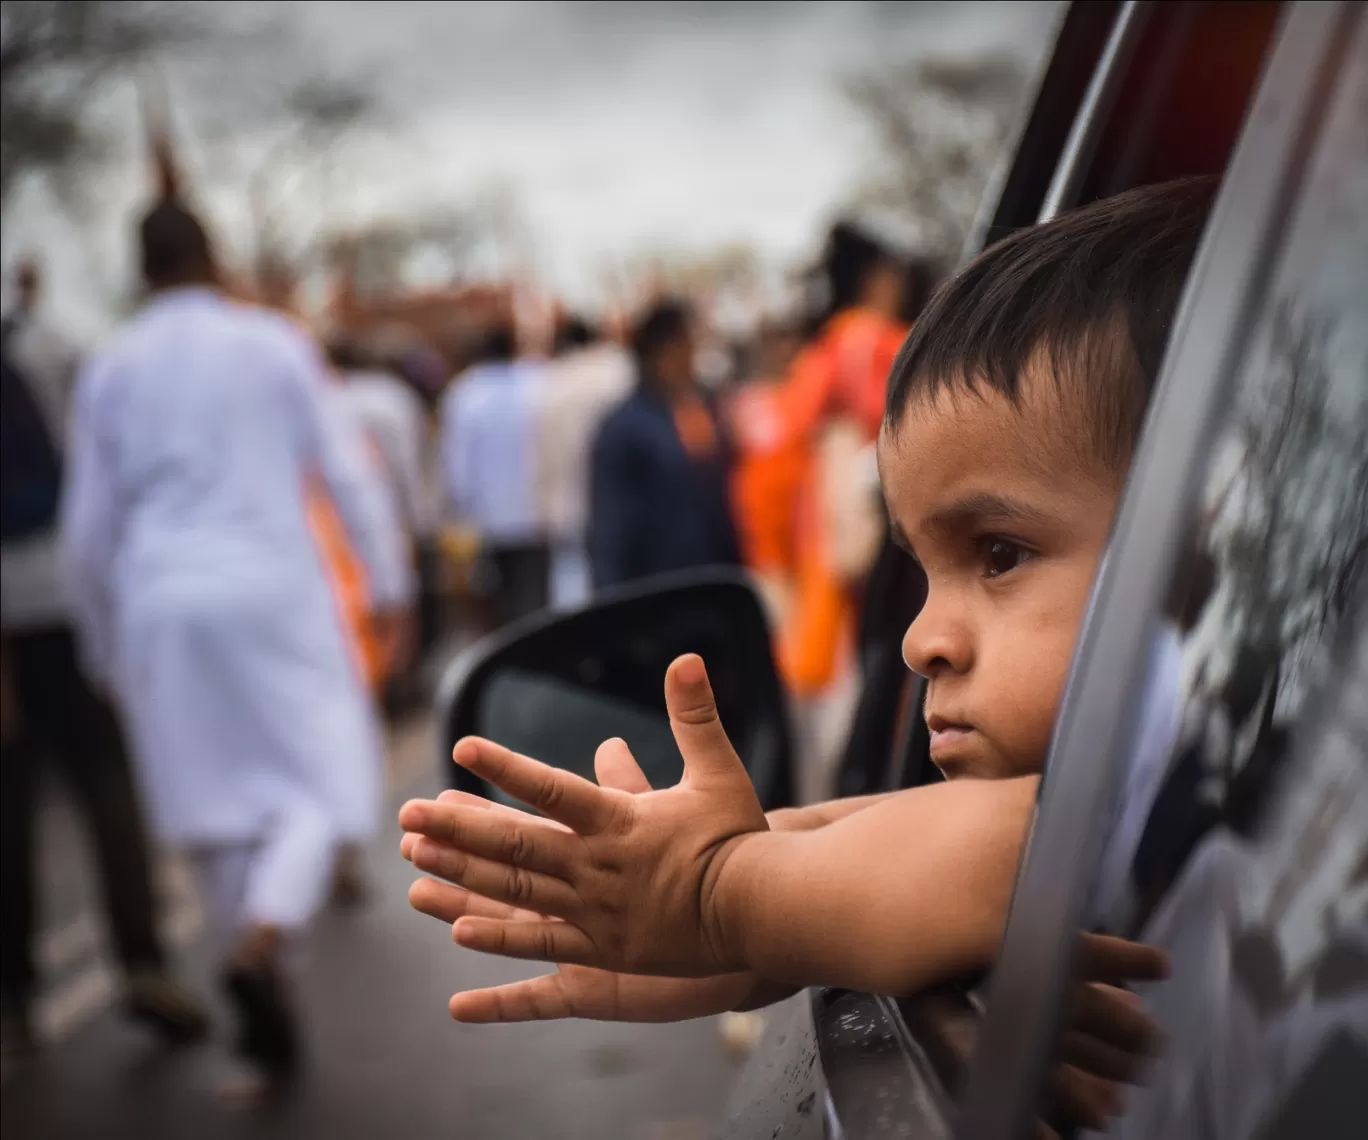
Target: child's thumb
{"type": "Point", "coordinates": [693, 717]}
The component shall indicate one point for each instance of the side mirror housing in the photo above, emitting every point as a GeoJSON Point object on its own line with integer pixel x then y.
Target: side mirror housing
{"type": "Point", "coordinates": [556, 685]}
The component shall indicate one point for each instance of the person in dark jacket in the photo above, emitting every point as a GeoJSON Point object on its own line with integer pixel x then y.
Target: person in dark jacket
{"type": "Point", "coordinates": [660, 464]}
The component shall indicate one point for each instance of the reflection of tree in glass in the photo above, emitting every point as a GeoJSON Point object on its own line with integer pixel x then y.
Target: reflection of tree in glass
{"type": "Point", "coordinates": [1289, 529]}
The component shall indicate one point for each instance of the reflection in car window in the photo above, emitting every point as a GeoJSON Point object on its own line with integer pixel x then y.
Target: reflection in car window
{"type": "Point", "coordinates": [1241, 842]}
{"type": "Point", "coordinates": [563, 724]}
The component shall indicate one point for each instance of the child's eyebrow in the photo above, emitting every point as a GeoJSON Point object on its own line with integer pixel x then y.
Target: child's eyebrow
{"type": "Point", "coordinates": [985, 509]}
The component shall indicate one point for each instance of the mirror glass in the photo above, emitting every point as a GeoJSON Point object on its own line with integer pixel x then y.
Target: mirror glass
{"type": "Point", "coordinates": [559, 690]}
{"type": "Point", "coordinates": [562, 724]}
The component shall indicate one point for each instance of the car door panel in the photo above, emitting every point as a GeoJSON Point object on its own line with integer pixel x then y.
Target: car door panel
{"type": "Point", "coordinates": [1236, 838]}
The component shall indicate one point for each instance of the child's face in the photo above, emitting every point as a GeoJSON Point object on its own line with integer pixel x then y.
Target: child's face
{"type": "Point", "coordinates": [1008, 517]}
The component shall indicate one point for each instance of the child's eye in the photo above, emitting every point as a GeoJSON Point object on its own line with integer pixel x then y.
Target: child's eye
{"type": "Point", "coordinates": [1002, 556]}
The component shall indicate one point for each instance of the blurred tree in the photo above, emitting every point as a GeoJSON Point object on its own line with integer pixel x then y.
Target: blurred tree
{"type": "Point", "coordinates": [383, 251]}
{"type": "Point", "coordinates": [54, 55]}
{"type": "Point", "coordinates": [315, 120]}
{"type": "Point", "coordinates": [939, 125]}
{"type": "Point", "coordinates": [730, 266]}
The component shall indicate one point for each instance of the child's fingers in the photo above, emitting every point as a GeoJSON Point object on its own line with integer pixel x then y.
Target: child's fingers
{"type": "Point", "coordinates": [499, 882]}
{"type": "Point", "coordinates": [541, 941]}
{"type": "Point", "coordinates": [1100, 1058]}
{"type": "Point", "coordinates": [698, 731]}
{"type": "Point", "coordinates": [535, 999]}
{"type": "Point", "coordinates": [515, 839]}
{"type": "Point", "coordinates": [616, 767]}
{"type": "Point", "coordinates": [1086, 1101]}
{"type": "Point", "coordinates": [446, 903]}
{"type": "Point", "coordinates": [1102, 958]}
{"type": "Point", "coordinates": [1116, 1017]}
{"type": "Point", "coordinates": [466, 799]}
{"type": "Point", "coordinates": [452, 796]}
{"type": "Point", "coordinates": [563, 796]}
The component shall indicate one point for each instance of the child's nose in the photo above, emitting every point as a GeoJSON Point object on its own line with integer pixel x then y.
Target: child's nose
{"type": "Point", "coordinates": [937, 641]}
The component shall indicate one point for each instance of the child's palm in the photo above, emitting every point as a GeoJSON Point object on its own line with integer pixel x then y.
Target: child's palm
{"type": "Point", "coordinates": [631, 880]}
{"type": "Point", "coordinates": [572, 991]}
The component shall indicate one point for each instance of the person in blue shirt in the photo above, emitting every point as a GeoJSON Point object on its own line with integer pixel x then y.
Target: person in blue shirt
{"type": "Point", "coordinates": [490, 461]}
{"type": "Point", "coordinates": [659, 471]}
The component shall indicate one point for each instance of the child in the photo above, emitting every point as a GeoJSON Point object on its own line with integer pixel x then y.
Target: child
{"type": "Point", "coordinates": [1013, 410]}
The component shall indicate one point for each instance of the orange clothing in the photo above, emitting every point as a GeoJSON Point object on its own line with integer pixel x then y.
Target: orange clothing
{"type": "Point", "coordinates": [697, 429]}
{"type": "Point", "coordinates": [842, 375]}
{"type": "Point", "coordinates": [770, 466]}
{"type": "Point", "coordinates": [350, 586]}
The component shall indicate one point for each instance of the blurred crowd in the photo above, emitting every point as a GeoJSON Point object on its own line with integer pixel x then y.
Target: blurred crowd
{"type": "Point", "coordinates": [239, 535]}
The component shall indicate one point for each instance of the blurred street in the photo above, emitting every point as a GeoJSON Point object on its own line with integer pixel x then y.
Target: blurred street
{"type": "Point", "coordinates": [337, 335]}
{"type": "Point", "coordinates": [384, 1058]}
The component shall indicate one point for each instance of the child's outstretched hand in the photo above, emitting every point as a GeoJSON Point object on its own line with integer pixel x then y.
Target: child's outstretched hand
{"type": "Point", "coordinates": [632, 879]}
{"type": "Point", "coordinates": [577, 991]}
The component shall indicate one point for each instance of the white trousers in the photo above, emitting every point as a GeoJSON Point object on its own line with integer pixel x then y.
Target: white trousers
{"type": "Point", "coordinates": [278, 879]}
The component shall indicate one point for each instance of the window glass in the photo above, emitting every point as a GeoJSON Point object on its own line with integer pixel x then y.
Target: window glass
{"type": "Point", "coordinates": [1240, 843]}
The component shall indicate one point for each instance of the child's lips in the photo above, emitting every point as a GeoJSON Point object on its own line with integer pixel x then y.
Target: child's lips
{"type": "Point", "coordinates": [947, 737]}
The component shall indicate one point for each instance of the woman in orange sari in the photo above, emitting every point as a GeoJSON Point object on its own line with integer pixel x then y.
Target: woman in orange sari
{"type": "Point", "coordinates": [832, 404]}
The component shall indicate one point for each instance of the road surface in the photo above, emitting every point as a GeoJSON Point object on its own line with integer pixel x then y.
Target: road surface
{"type": "Point", "coordinates": [386, 1061]}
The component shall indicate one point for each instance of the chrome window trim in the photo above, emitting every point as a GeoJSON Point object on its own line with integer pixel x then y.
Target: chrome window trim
{"type": "Point", "coordinates": [1092, 116]}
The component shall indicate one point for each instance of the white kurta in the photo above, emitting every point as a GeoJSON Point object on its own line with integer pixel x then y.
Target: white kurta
{"type": "Point", "coordinates": [198, 591]}
{"type": "Point", "coordinates": [392, 415]}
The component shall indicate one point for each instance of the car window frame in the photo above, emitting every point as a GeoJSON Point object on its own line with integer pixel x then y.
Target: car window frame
{"type": "Point", "coordinates": [1232, 272]}
{"type": "Point", "coordinates": [1080, 146]}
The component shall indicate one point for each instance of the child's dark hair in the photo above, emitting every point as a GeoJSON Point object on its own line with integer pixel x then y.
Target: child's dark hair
{"type": "Point", "coordinates": [1094, 291]}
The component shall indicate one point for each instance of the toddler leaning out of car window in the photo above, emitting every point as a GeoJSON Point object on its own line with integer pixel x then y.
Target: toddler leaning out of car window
{"type": "Point", "coordinates": [1013, 412]}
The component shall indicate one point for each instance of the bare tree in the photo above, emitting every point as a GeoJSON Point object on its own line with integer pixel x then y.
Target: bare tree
{"type": "Point", "coordinates": [54, 56]}
{"type": "Point", "coordinates": [940, 124]}
{"type": "Point", "coordinates": [314, 122]}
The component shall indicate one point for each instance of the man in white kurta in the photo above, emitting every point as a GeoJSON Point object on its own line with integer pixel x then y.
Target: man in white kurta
{"type": "Point", "coordinates": [203, 603]}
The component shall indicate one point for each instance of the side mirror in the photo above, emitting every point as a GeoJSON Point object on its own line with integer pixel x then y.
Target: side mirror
{"type": "Point", "coordinates": [557, 685]}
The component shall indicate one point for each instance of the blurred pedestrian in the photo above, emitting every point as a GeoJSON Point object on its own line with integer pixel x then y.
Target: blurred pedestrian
{"type": "Point", "coordinates": [587, 378]}
{"type": "Point", "coordinates": [203, 602]}
{"type": "Point", "coordinates": [391, 414]}
{"type": "Point", "coordinates": [832, 406]}
{"type": "Point", "coordinates": [489, 455]}
{"type": "Point", "coordinates": [660, 464]}
{"type": "Point", "coordinates": [770, 467]}
{"type": "Point", "coordinates": [51, 709]}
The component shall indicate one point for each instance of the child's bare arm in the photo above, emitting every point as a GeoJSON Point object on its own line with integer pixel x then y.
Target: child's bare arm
{"type": "Point", "coordinates": [812, 816]}
{"type": "Point", "coordinates": [910, 891]}
{"type": "Point", "coordinates": [679, 882]}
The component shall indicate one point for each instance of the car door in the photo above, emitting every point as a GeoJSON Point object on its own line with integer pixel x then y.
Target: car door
{"type": "Point", "coordinates": [1207, 791]}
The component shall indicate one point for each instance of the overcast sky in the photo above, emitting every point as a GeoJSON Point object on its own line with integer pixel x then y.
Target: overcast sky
{"type": "Point", "coordinates": [618, 127]}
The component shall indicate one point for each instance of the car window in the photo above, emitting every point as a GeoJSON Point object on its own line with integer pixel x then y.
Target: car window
{"type": "Point", "coordinates": [1240, 840]}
